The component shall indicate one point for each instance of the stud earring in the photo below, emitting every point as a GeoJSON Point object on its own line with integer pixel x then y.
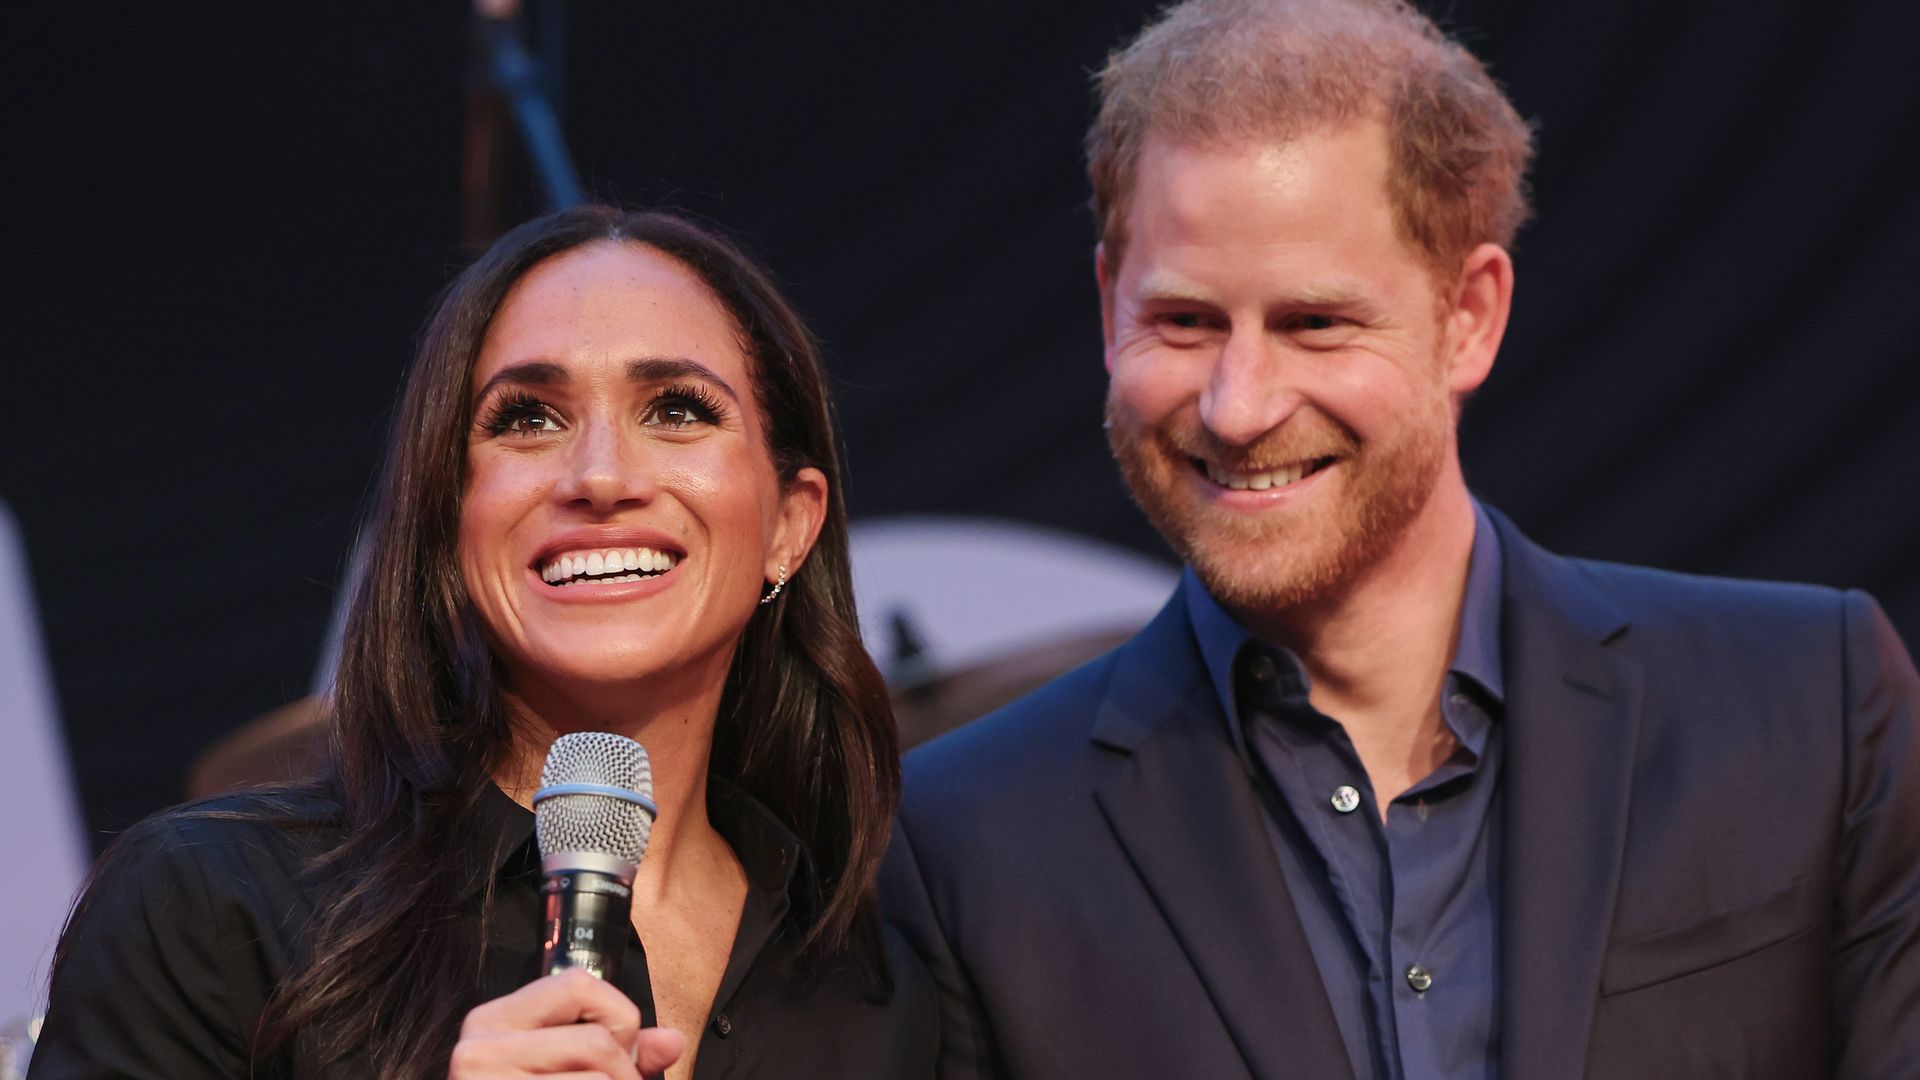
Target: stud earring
{"type": "Point", "coordinates": [777, 586]}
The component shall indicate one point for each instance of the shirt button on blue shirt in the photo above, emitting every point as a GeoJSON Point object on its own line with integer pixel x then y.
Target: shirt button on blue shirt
{"type": "Point", "coordinates": [1346, 799]}
{"type": "Point", "coordinates": [1419, 978]}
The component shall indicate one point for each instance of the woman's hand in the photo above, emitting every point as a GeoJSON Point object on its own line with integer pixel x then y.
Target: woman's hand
{"type": "Point", "coordinates": [570, 1024]}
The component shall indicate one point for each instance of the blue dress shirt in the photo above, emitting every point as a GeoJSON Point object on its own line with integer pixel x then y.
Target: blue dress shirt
{"type": "Point", "coordinates": [1402, 916]}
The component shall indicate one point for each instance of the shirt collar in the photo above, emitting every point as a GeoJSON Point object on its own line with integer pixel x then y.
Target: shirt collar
{"type": "Point", "coordinates": [1476, 656]}
{"type": "Point", "coordinates": [503, 843]}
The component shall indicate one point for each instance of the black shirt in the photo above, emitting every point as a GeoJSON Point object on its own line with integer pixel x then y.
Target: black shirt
{"type": "Point", "coordinates": [198, 915]}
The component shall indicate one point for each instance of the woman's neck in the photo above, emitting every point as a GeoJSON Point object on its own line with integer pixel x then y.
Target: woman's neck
{"type": "Point", "coordinates": [683, 849]}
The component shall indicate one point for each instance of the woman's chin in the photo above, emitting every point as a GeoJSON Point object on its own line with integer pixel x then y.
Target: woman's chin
{"type": "Point", "coordinates": [635, 674]}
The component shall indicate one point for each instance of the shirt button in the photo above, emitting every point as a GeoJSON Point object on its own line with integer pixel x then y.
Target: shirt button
{"type": "Point", "coordinates": [1262, 669]}
{"type": "Point", "coordinates": [1419, 978]}
{"type": "Point", "coordinates": [1345, 799]}
{"type": "Point", "coordinates": [723, 1027]}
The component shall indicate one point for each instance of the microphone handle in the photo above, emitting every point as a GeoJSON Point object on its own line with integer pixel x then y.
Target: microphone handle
{"type": "Point", "coordinates": [587, 916]}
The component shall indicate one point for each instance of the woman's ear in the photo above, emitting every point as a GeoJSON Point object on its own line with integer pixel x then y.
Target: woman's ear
{"type": "Point", "coordinates": [803, 509]}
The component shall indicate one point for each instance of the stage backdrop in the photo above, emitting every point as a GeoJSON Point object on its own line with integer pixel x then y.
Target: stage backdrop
{"type": "Point", "coordinates": [226, 222]}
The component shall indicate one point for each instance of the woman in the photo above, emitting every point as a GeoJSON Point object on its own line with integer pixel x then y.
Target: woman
{"type": "Point", "coordinates": [611, 503]}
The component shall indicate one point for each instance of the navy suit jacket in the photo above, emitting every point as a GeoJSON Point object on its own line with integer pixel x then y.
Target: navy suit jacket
{"type": "Point", "coordinates": [1711, 864]}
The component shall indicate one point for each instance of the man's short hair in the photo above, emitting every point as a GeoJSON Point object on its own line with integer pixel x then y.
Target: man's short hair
{"type": "Point", "coordinates": [1227, 70]}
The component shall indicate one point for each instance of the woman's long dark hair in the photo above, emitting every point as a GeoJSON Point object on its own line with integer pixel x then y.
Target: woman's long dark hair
{"type": "Point", "coordinates": [805, 726]}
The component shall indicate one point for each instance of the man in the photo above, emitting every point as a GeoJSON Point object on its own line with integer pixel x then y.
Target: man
{"type": "Point", "coordinates": [1386, 790]}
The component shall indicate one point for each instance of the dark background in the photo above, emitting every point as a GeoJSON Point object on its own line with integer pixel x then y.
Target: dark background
{"type": "Point", "coordinates": [227, 221]}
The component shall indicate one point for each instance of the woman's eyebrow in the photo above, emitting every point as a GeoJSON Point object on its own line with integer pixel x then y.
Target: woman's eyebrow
{"type": "Point", "coordinates": [669, 368]}
{"type": "Point", "coordinates": [532, 373]}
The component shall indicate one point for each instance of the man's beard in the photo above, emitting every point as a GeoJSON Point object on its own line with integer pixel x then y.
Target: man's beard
{"type": "Point", "coordinates": [1292, 556]}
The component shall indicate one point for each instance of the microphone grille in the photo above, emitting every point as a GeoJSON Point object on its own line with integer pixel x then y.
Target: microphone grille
{"type": "Point", "coordinates": [606, 824]}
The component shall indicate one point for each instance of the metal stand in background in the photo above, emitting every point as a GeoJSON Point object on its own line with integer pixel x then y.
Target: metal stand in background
{"type": "Point", "coordinates": [508, 79]}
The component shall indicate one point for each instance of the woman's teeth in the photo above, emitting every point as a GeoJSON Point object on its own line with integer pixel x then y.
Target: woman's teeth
{"type": "Point", "coordinates": [609, 565]}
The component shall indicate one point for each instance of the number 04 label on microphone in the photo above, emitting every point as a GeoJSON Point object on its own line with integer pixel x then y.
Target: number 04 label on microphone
{"type": "Point", "coordinates": [586, 924]}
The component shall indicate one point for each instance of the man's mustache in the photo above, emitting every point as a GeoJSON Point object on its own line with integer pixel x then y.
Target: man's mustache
{"type": "Point", "coordinates": [1303, 437]}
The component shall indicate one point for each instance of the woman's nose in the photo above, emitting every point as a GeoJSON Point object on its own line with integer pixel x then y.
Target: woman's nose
{"type": "Point", "coordinates": [606, 467]}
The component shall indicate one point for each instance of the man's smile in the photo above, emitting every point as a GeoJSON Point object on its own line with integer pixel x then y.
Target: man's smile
{"type": "Point", "coordinates": [1262, 479]}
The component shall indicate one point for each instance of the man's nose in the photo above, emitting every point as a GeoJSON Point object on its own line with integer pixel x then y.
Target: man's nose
{"type": "Point", "coordinates": [1251, 390]}
{"type": "Point", "coordinates": [607, 466]}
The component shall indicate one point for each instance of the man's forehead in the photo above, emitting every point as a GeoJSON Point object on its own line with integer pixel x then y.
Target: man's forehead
{"type": "Point", "coordinates": [1254, 197]}
{"type": "Point", "coordinates": [1178, 179]}
{"type": "Point", "coordinates": [1160, 283]}
{"type": "Point", "coordinates": [1275, 159]}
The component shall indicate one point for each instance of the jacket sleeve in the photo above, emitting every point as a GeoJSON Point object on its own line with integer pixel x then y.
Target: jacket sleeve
{"type": "Point", "coordinates": [150, 979]}
{"type": "Point", "coordinates": [967, 1050]}
{"type": "Point", "coordinates": [1877, 897]}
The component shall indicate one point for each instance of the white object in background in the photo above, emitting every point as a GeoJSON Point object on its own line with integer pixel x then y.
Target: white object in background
{"type": "Point", "coordinates": [42, 841]}
{"type": "Point", "coordinates": [976, 590]}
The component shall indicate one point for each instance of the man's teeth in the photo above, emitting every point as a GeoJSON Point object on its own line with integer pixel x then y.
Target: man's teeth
{"type": "Point", "coordinates": [610, 564]}
{"type": "Point", "coordinates": [1260, 481]}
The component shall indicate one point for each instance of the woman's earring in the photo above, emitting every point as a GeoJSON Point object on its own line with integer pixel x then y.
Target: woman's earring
{"type": "Point", "coordinates": [777, 586]}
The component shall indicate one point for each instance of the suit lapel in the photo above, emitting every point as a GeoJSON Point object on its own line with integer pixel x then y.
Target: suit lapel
{"type": "Point", "coordinates": [1183, 808]}
{"type": "Point", "coordinates": [1573, 709]}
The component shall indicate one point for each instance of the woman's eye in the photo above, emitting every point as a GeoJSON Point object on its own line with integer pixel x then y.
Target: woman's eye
{"type": "Point", "coordinates": [523, 418]}
{"type": "Point", "coordinates": [677, 413]}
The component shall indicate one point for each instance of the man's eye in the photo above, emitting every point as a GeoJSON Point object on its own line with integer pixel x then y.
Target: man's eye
{"type": "Point", "coordinates": [1317, 322]}
{"type": "Point", "coordinates": [1184, 324]}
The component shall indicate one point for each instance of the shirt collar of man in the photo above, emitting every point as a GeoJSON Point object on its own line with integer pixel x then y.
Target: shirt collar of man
{"type": "Point", "coordinates": [768, 851]}
{"type": "Point", "coordinates": [1476, 658]}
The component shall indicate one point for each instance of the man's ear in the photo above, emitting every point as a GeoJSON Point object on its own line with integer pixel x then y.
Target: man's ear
{"type": "Point", "coordinates": [803, 509]}
{"type": "Point", "coordinates": [1476, 320]}
{"type": "Point", "coordinates": [1103, 276]}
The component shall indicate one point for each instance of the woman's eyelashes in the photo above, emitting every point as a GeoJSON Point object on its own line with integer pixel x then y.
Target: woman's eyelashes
{"type": "Point", "coordinates": [681, 408]}
{"type": "Point", "coordinates": [516, 413]}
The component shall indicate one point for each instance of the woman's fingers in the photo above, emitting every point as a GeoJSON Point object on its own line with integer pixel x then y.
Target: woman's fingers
{"type": "Point", "coordinates": [563, 1025]}
{"type": "Point", "coordinates": [571, 997]}
{"type": "Point", "coordinates": [657, 1048]}
{"type": "Point", "coordinates": [586, 1048]}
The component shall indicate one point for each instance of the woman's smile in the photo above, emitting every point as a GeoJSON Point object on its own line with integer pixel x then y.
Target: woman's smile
{"type": "Point", "coordinates": [602, 566]}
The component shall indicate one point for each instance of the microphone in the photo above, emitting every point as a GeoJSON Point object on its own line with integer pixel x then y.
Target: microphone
{"type": "Point", "coordinates": [593, 813]}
